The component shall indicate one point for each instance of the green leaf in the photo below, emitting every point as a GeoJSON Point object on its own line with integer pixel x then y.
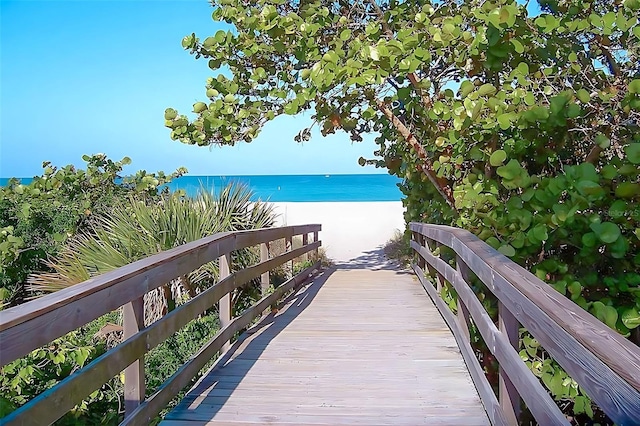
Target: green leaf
{"type": "Point", "coordinates": [510, 170]}
{"type": "Point", "coordinates": [634, 86]}
{"type": "Point", "coordinates": [504, 120]}
{"type": "Point", "coordinates": [404, 92]}
{"type": "Point", "coordinates": [555, 386]}
{"type": "Point", "coordinates": [25, 210]}
{"type": "Point", "coordinates": [220, 36]}
{"type": "Point", "coordinates": [631, 318]}
{"type": "Point", "coordinates": [507, 250]}
{"type": "Point", "coordinates": [606, 314]}
{"type": "Point", "coordinates": [602, 141]}
{"type": "Point", "coordinates": [373, 53]}
{"type": "Point", "coordinates": [523, 68]}
{"type": "Point", "coordinates": [575, 288]}
{"type": "Point", "coordinates": [466, 87]}
{"type": "Point", "coordinates": [199, 107]}
{"type": "Point", "coordinates": [607, 232]}
{"type": "Point", "coordinates": [628, 190]}
{"type": "Point", "coordinates": [497, 158]}
{"type": "Point", "coordinates": [579, 404]}
{"type": "Point", "coordinates": [487, 89]}
{"type": "Point", "coordinates": [609, 19]}
{"type": "Point", "coordinates": [493, 242]}
{"type": "Point", "coordinates": [574, 111]}
{"type": "Point", "coordinates": [188, 41]}
{"type": "Point", "coordinates": [587, 187]}
{"type": "Point", "coordinates": [345, 35]}
{"type": "Point", "coordinates": [529, 99]}
{"type": "Point", "coordinates": [561, 287]}
{"type": "Point", "coordinates": [291, 108]}
{"type": "Point", "coordinates": [169, 114]}
{"type": "Point", "coordinates": [619, 248]}
{"type": "Point", "coordinates": [609, 172]}
{"type": "Point", "coordinates": [633, 152]}
{"type": "Point", "coordinates": [617, 209]}
{"type": "Point", "coordinates": [539, 233]}
{"type": "Point", "coordinates": [583, 95]}
{"type": "Point", "coordinates": [518, 47]}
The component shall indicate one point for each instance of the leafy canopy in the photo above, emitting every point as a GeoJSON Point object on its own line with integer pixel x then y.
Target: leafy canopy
{"type": "Point", "coordinates": [523, 129]}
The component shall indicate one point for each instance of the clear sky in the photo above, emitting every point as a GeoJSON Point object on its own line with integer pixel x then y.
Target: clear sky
{"type": "Point", "coordinates": [82, 77]}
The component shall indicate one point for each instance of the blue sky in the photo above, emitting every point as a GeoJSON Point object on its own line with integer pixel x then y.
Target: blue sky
{"type": "Point", "coordinates": [82, 77]}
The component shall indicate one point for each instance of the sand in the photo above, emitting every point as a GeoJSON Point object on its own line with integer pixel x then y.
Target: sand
{"type": "Point", "coordinates": [350, 230]}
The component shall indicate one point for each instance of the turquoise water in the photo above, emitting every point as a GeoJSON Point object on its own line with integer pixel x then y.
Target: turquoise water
{"type": "Point", "coordinates": [378, 187]}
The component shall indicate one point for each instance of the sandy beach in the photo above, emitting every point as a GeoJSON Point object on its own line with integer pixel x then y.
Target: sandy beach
{"type": "Point", "coordinates": [350, 230]}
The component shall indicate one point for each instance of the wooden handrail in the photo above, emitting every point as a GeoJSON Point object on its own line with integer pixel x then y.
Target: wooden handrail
{"type": "Point", "coordinates": [602, 362]}
{"type": "Point", "coordinates": [23, 329]}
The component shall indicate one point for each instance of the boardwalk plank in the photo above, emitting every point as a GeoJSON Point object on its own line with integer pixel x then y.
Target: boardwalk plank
{"type": "Point", "coordinates": [360, 347]}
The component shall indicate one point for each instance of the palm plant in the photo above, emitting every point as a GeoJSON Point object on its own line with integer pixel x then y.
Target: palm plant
{"type": "Point", "coordinates": [135, 229]}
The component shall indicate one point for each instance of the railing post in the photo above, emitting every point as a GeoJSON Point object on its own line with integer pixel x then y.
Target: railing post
{"type": "Point", "coordinates": [305, 241]}
{"type": "Point", "coordinates": [316, 251]}
{"type": "Point", "coordinates": [509, 397]}
{"type": "Point", "coordinates": [419, 238]}
{"type": "Point", "coordinates": [288, 246]}
{"type": "Point", "coordinates": [134, 387]}
{"type": "Point", "coordinates": [264, 278]}
{"type": "Point", "coordinates": [429, 243]}
{"type": "Point", "coordinates": [224, 305]}
{"type": "Point", "coordinates": [463, 312]}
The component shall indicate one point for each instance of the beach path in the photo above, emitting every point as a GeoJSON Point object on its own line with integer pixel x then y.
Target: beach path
{"type": "Point", "coordinates": [354, 347]}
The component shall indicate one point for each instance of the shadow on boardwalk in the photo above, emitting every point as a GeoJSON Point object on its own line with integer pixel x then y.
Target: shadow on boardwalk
{"type": "Point", "coordinates": [373, 260]}
{"type": "Point", "coordinates": [217, 385]}
{"type": "Point", "coordinates": [354, 347]}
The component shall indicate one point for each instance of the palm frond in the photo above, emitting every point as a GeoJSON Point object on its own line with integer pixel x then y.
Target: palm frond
{"type": "Point", "coordinates": [135, 229]}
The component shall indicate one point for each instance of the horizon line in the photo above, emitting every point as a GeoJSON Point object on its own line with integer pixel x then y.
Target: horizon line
{"type": "Point", "coordinates": [252, 175]}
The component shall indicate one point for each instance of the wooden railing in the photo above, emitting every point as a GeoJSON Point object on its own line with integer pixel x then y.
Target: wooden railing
{"type": "Point", "coordinates": [602, 362]}
{"type": "Point", "coordinates": [36, 323]}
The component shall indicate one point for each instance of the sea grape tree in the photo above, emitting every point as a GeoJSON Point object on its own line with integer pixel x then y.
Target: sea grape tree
{"type": "Point", "coordinates": [523, 128]}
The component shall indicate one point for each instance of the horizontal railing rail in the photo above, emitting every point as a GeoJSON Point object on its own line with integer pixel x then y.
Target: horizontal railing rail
{"type": "Point", "coordinates": [29, 326]}
{"type": "Point", "coordinates": [602, 362]}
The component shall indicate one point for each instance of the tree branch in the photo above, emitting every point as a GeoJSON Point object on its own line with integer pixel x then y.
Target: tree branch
{"type": "Point", "coordinates": [441, 185]}
{"type": "Point", "coordinates": [380, 13]}
{"type": "Point", "coordinates": [594, 155]}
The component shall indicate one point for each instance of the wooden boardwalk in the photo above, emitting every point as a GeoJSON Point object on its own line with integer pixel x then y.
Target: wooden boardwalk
{"type": "Point", "coordinates": [361, 345]}
{"type": "Point", "coordinates": [355, 347]}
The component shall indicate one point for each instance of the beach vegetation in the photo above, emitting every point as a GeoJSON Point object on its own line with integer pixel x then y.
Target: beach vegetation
{"type": "Point", "coordinates": [82, 223]}
{"type": "Point", "coordinates": [135, 229]}
{"type": "Point", "coordinates": [522, 128]}
{"type": "Point", "coordinates": [397, 248]}
{"type": "Point", "coordinates": [39, 217]}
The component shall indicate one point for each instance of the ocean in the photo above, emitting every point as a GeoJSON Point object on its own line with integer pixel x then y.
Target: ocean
{"type": "Point", "coordinates": [298, 188]}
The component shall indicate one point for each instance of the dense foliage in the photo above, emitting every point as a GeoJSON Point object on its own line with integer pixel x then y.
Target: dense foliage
{"type": "Point", "coordinates": [86, 222]}
{"type": "Point", "coordinates": [36, 222]}
{"type": "Point", "coordinates": [29, 376]}
{"type": "Point", "coordinates": [37, 218]}
{"type": "Point", "coordinates": [135, 229]}
{"type": "Point", "coordinates": [523, 129]}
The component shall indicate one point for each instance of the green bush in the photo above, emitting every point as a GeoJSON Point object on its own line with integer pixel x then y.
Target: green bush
{"type": "Point", "coordinates": [38, 218]}
{"type": "Point", "coordinates": [24, 378]}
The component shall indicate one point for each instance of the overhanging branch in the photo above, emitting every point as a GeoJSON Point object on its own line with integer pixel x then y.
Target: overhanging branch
{"type": "Point", "coordinates": [441, 184]}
